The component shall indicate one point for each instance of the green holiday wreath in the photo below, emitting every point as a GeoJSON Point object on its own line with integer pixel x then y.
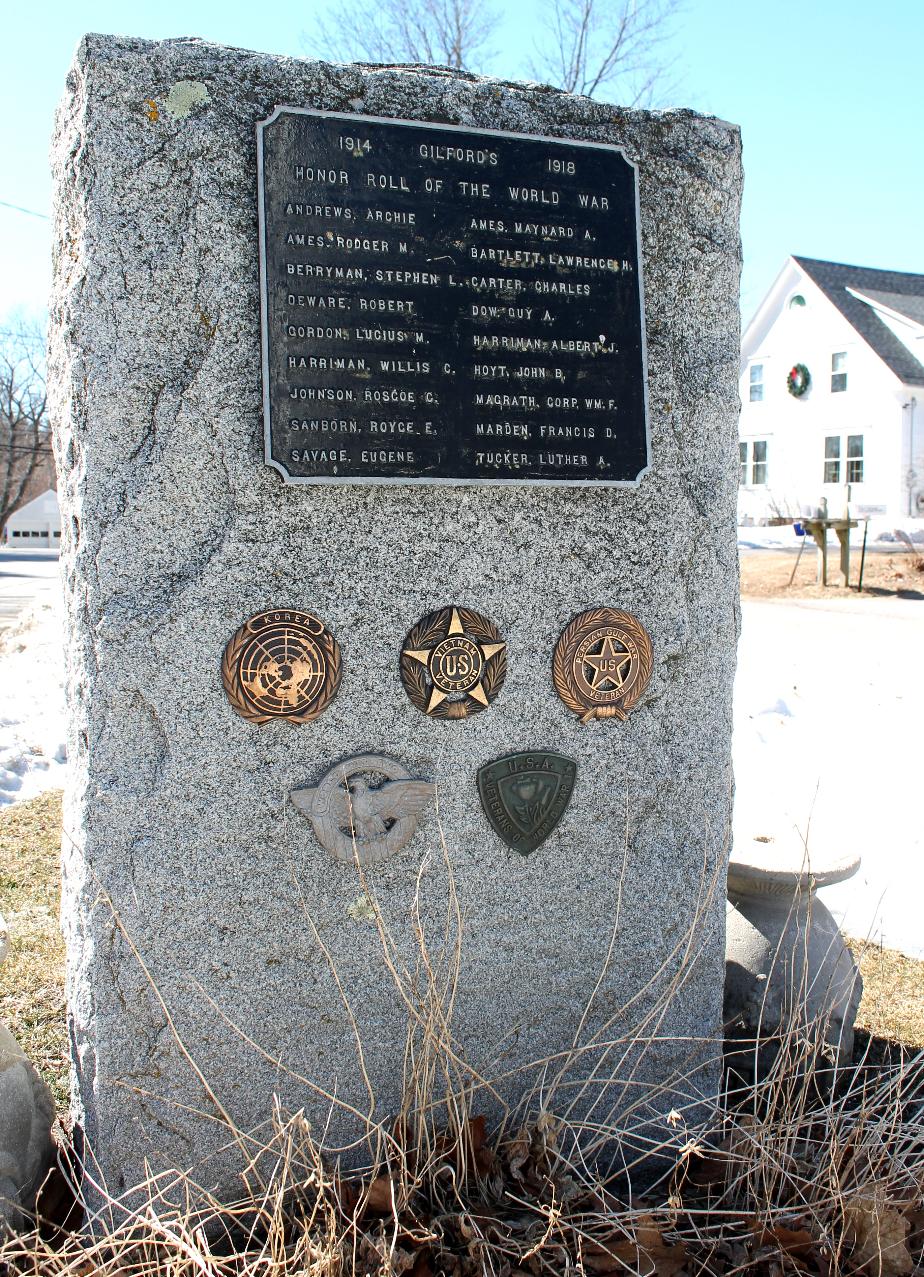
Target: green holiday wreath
{"type": "Point", "coordinates": [798, 380]}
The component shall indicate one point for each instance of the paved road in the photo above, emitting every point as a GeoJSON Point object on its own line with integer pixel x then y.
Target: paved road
{"type": "Point", "coordinates": [25, 575]}
{"type": "Point", "coordinates": [829, 723]}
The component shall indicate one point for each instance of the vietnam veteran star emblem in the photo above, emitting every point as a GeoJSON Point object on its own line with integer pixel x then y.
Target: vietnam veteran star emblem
{"type": "Point", "coordinates": [525, 795]}
{"type": "Point", "coordinates": [453, 663]}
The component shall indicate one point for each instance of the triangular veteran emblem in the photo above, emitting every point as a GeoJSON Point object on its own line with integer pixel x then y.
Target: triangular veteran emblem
{"type": "Point", "coordinates": [525, 795]}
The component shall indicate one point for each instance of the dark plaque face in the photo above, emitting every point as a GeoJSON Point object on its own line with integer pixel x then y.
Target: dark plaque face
{"type": "Point", "coordinates": [602, 663]}
{"type": "Point", "coordinates": [448, 305]}
{"type": "Point", "coordinates": [281, 664]}
{"type": "Point", "coordinates": [453, 663]}
{"type": "Point", "coordinates": [524, 796]}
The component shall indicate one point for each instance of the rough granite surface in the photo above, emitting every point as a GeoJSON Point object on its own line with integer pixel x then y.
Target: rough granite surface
{"type": "Point", "coordinates": [201, 914]}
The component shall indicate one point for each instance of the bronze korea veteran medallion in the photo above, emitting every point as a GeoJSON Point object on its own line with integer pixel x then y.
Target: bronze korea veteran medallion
{"type": "Point", "coordinates": [524, 796]}
{"type": "Point", "coordinates": [281, 664]}
{"type": "Point", "coordinates": [602, 663]}
{"type": "Point", "coordinates": [453, 663]}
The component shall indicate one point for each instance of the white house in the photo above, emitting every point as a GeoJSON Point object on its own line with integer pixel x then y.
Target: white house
{"type": "Point", "coordinates": [832, 394]}
{"type": "Point", "coordinates": [36, 525]}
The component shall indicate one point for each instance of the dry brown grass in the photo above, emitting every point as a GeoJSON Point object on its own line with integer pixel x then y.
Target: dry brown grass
{"type": "Point", "coordinates": [32, 978]}
{"type": "Point", "coordinates": [792, 1178]}
{"type": "Point", "coordinates": [765, 575]}
{"type": "Point", "coordinates": [31, 982]}
{"type": "Point", "coordinates": [893, 994]}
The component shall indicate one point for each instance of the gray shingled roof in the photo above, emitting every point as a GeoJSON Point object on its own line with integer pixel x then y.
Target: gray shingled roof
{"type": "Point", "coordinates": [834, 279]}
{"type": "Point", "coordinates": [903, 303]}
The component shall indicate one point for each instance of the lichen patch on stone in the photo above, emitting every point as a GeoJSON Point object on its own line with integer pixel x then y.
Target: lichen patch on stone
{"type": "Point", "coordinates": [184, 96]}
{"type": "Point", "coordinates": [362, 909]}
{"type": "Point", "coordinates": [152, 112]}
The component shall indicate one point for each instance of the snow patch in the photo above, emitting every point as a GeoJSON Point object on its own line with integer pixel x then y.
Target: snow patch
{"type": "Point", "coordinates": [33, 753]}
{"type": "Point", "coordinates": [827, 714]}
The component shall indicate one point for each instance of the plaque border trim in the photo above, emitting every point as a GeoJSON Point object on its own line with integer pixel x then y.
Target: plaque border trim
{"type": "Point", "coordinates": [405, 481]}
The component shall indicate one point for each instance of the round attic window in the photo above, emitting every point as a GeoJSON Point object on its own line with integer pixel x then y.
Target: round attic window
{"type": "Point", "coordinates": [796, 301]}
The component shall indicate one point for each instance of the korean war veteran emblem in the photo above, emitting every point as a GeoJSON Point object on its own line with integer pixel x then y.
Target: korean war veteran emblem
{"type": "Point", "coordinates": [525, 795]}
{"type": "Point", "coordinates": [602, 663]}
{"type": "Point", "coordinates": [281, 664]}
{"type": "Point", "coordinates": [365, 808]}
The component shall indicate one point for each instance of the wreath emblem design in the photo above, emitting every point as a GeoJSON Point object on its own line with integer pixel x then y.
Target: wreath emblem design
{"type": "Point", "coordinates": [281, 664]}
{"type": "Point", "coordinates": [602, 663]}
{"type": "Point", "coordinates": [453, 663]}
{"type": "Point", "coordinates": [798, 380]}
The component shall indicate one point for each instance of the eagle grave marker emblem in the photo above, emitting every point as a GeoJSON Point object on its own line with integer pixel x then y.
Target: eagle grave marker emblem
{"type": "Point", "coordinates": [365, 808]}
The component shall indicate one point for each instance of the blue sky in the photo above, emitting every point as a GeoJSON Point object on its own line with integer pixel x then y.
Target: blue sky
{"type": "Point", "coordinates": [827, 96]}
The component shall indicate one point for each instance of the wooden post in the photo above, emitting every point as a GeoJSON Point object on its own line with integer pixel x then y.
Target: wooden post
{"type": "Point", "coordinates": [843, 535]}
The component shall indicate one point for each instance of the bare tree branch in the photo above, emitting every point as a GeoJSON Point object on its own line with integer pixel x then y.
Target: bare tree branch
{"type": "Point", "coordinates": [619, 44]}
{"type": "Point", "coordinates": [453, 33]}
{"type": "Point", "coordinates": [25, 444]}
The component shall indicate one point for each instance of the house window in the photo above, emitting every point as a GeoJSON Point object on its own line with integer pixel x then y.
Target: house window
{"type": "Point", "coordinates": [839, 371]}
{"type": "Point", "coordinates": [759, 462]}
{"type": "Point", "coordinates": [756, 453]}
{"type": "Point", "coordinates": [833, 459]}
{"type": "Point", "coordinates": [854, 458]}
{"type": "Point", "coordinates": [796, 302]}
{"type": "Point", "coordinates": [757, 383]}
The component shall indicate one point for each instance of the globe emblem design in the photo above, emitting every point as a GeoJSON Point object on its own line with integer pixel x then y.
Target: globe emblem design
{"type": "Point", "coordinates": [281, 672]}
{"type": "Point", "coordinates": [281, 664]}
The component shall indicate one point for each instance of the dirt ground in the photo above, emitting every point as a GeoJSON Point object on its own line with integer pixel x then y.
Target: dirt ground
{"type": "Point", "coordinates": [765, 575]}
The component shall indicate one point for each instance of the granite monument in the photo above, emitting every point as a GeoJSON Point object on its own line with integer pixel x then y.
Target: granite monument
{"type": "Point", "coordinates": [245, 246]}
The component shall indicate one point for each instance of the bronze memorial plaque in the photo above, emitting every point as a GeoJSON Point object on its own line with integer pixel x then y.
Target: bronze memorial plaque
{"type": "Point", "coordinates": [602, 663]}
{"type": "Point", "coordinates": [281, 664]}
{"type": "Point", "coordinates": [454, 663]}
{"type": "Point", "coordinates": [448, 305]}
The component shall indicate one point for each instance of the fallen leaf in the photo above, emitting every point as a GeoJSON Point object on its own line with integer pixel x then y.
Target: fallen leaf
{"type": "Point", "coordinates": [605, 1258]}
{"type": "Point", "coordinates": [709, 1167]}
{"type": "Point", "coordinates": [347, 1197]}
{"type": "Point", "coordinates": [477, 1133]}
{"type": "Point", "coordinates": [667, 1259]}
{"type": "Point", "coordinates": [518, 1153]}
{"type": "Point", "coordinates": [798, 1242]}
{"type": "Point", "coordinates": [648, 1254]}
{"type": "Point", "coordinates": [379, 1194]}
{"type": "Point", "coordinates": [876, 1232]}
